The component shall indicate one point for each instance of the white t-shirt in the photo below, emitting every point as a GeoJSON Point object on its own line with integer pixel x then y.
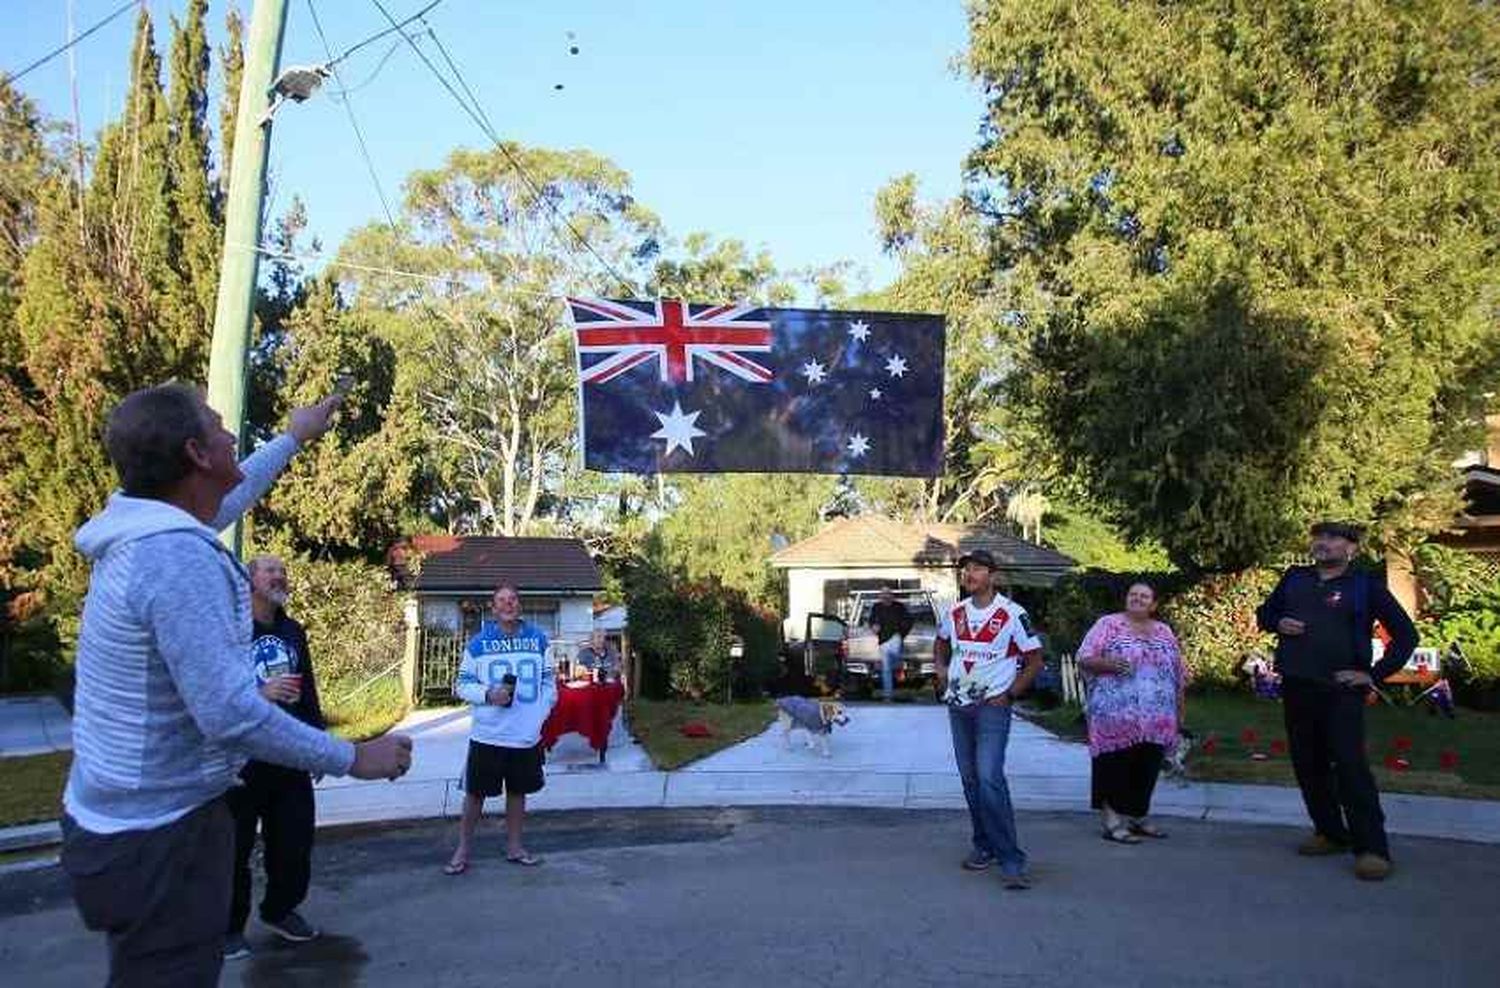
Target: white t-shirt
{"type": "Point", "coordinates": [987, 643]}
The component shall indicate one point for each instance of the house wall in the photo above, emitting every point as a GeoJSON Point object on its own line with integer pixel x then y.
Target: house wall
{"type": "Point", "coordinates": [805, 587]}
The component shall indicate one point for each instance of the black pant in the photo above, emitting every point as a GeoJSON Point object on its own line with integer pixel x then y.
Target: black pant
{"type": "Point", "coordinates": [1126, 779]}
{"type": "Point", "coordinates": [280, 800]}
{"type": "Point", "coordinates": [1325, 729]}
{"type": "Point", "coordinates": [158, 893]}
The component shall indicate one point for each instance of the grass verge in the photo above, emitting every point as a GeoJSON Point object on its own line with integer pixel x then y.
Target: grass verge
{"type": "Point", "coordinates": [657, 725]}
{"type": "Point", "coordinates": [31, 787]}
{"type": "Point", "coordinates": [1244, 725]}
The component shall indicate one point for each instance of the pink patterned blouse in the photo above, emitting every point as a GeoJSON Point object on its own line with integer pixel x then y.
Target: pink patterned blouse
{"type": "Point", "coordinates": [1140, 705]}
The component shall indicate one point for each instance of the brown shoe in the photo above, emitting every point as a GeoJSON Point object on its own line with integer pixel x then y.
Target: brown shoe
{"type": "Point", "coordinates": [1318, 846]}
{"type": "Point", "coordinates": [1371, 868]}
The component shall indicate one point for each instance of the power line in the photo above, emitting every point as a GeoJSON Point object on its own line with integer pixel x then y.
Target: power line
{"type": "Point", "coordinates": [359, 136]}
{"type": "Point", "coordinates": [476, 113]}
{"type": "Point", "coordinates": [380, 34]}
{"type": "Point", "coordinates": [278, 254]}
{"type": "Point", "coordinates": [374, 74]}
{"type": "Point", "coordinates": [64, 47]}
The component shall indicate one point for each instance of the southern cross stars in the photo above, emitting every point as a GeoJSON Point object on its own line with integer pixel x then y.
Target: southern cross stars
{"type": "Point", "coordinates": [858, 446]}
{"type": "Point", "coordinates": [860, 330]}
{"type": "Point", "coordinates": [896, 366]}
{"type": "Point", "coordinates": [678, 429]}
{"type": "Point", "coordinates": [814, 372]}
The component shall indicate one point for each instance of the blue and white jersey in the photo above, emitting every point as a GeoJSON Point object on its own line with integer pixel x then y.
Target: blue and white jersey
{"type": "Point", "coordinates": [490, 657]}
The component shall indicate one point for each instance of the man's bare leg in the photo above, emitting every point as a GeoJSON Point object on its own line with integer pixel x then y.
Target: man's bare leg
{"type": "Point", "coordinates": [515, 814]}
{"type": "Point", "coordinates": [467, 824]}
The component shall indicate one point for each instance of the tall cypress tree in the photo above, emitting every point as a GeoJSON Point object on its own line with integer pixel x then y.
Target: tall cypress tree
{"type": "Point", "coordinates": [129, 310]}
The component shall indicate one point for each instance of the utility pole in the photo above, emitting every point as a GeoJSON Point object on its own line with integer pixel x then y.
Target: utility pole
{"type": "Point", "coordinates": [234, 313]}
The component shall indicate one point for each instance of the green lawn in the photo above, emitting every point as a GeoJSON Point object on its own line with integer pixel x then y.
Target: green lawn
{"type": "Point", "coordinates": [367, 714]}
{"type": "Point", "coordinates": [656, 723]}
{"type": "Point", "coordinates": [31, 787]}
{"type": "Point", "coordinates": [1472, 735]}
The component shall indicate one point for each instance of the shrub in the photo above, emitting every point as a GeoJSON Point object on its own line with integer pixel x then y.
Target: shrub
{"type": "Point", "coordinates": [1214, 620]}
{"type": "Point", "coordinates": [1461, 606]}
{"type": "Point", "coordinates": [684, 632]}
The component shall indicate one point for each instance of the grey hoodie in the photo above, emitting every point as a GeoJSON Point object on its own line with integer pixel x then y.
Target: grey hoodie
{"type": "Point", "coordinates": [167, 709]}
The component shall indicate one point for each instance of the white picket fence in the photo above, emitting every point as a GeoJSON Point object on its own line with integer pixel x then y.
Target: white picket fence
{"type": "Point", "coordinates": [1072, 680]}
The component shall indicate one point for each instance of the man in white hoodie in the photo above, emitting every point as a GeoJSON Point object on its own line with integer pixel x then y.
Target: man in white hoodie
{"type": "Point", "coordinates": [167, 709]}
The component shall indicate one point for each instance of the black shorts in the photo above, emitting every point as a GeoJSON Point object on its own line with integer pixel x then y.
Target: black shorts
{"type": "Point", "coordinates": [492, 770]}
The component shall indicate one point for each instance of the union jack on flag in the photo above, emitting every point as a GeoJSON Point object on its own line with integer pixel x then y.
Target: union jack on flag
{"type": "Point", "coordinates": [674, 333]}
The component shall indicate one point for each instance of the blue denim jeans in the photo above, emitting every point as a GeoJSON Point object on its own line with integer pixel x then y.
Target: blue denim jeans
{"type": "Point", "coordinates": [980, 733]}
{"type": "Point", "coordinates": [890, 659]}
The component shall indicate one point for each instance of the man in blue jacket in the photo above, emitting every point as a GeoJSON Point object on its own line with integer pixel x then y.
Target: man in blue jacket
{"type": "Point", "coordinates": [167, 709]}
{"type": "Point", "coordinates": [1323, 616]}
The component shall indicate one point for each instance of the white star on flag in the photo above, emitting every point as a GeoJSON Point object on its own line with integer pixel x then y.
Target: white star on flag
{"type": "Point", "coordinates": [813, 371]}
{"type": "Point", "coordinates": [678, 429]}
{"type": "Point", "coordinates": [896, 366]}
{"type": "Point", "coordinates": [876, 393]}
{"type": "Point", "coordinates": [858, 446]}
{"type": "Point", "coordinates": [860, 330]}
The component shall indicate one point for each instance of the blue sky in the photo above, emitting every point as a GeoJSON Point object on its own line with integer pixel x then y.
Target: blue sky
{"type": "Point", "coordinates": [770, 121]}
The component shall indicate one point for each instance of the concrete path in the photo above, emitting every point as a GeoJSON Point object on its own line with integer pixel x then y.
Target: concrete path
{"type": "Point", "coordinates": [888, 756]}
{"type": "Point", "coordinates": [833, 898]}
{"type": "Point", "coordinates": [33, 725]}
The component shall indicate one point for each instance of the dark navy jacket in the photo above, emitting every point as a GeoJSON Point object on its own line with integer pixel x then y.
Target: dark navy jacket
{"type": "Point", "coordinates": [1339, 615]}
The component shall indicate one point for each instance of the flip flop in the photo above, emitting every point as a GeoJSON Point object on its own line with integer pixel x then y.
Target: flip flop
{"type": "Point", "coordinates": [455, 868]}
{"type": "Point", "coordinates": [1120, 835]}
{"type": "Point", "coordinates": [1147, 830]}
{"type": "Point", "coordinates": [524, 860]}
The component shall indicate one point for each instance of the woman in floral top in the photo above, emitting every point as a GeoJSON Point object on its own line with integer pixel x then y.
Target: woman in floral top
{"type": "Point", "coordinates": [1135, 678]}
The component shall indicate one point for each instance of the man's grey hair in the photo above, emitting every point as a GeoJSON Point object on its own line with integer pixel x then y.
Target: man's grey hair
{"type": "Point", "coordinates": [147, 435]}
{"type": "Point", "coordinates": [261, 559]}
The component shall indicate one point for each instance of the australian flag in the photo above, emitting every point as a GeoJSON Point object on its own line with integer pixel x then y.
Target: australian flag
{"type": "Point", "coordinates": [678, 387]}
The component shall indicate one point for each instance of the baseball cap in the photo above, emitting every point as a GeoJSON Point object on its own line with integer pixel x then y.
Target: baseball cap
{"type": "Point", "coordinates": [981, 556]}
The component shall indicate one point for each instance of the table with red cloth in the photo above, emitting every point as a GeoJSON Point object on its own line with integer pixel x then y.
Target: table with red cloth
{"type": "Point", "coordinates": [589, 710]}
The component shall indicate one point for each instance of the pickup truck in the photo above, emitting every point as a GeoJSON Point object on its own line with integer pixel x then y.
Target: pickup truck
{"type": "Point", "coordinates": [845, 653]}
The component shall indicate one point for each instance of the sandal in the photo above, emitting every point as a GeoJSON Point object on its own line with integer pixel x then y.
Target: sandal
{"type": "Point", "coordinates": [455, 868]}
{"type": "Point", "coordinates": [1141, 829]}
{"type": "Point", "coordinates": [523, 859]}
{"type": "Point", "coordinates": [1120, 835]}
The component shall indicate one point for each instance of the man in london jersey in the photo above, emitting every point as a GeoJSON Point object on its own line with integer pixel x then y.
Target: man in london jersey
{"type": "Point", "coordinates": [505, 675]}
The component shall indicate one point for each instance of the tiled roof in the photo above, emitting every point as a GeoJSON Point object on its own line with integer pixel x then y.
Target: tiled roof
{"type": "Point", "coordinates": [874, 540]}
{"type": "Point", "coordinates": [449, 563]}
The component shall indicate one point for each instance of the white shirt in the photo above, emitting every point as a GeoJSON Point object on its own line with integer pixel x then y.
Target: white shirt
{"type": "Point", "coordinates": [988, 643]}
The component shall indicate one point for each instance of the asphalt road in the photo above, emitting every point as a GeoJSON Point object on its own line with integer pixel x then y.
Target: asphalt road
{"type": "Point", "coordinates": [829, 897]}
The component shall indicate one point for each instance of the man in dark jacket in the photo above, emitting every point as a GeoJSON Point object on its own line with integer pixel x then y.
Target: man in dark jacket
{"type": "Point", "coordinates": [892, 622]}
{"type": "Point", "coordinates": [278, 799]}
{"type": "Point", "coordinates": [1323, 616]}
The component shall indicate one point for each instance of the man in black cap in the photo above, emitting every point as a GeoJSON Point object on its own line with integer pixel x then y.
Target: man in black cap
{"type": "Point", "coordinates": [1323, 616]}
{"type": "Point", "coordinates": [986, 656]}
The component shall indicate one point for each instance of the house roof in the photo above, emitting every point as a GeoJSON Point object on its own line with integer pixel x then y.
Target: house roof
{"type": "Point", "coordinates": [452, 564]}
{"type": "Point", "coordinates": [874, 540]}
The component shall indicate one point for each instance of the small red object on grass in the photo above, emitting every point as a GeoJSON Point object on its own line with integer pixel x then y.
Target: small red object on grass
{"type": "Point", "coordinates": [1278, 747]}
{"type": "Point", "coordinates": [1210, 744]}
{"type": "Point", "coordinates": [695, 729]}
{"type": "Point", "coordinates": [1448, 760]}
{"type": "Point", "coordinates": [1401, 743]}
{"type": "Point", "coordinates": [1249, 736]}
{"type": "Point", "coordinates": [1396, 763]}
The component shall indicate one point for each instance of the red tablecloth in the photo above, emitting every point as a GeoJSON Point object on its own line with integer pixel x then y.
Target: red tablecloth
{"type": "Point", "coordinates": [589, 710]}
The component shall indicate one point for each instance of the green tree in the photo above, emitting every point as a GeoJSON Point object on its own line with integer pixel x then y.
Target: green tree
{"type": "Point", "coordinates": [1252, 247]}
{"type": "Point", "coordinates": [109, 302]}
{"type": "Point", "coordinates": [486, 334]}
